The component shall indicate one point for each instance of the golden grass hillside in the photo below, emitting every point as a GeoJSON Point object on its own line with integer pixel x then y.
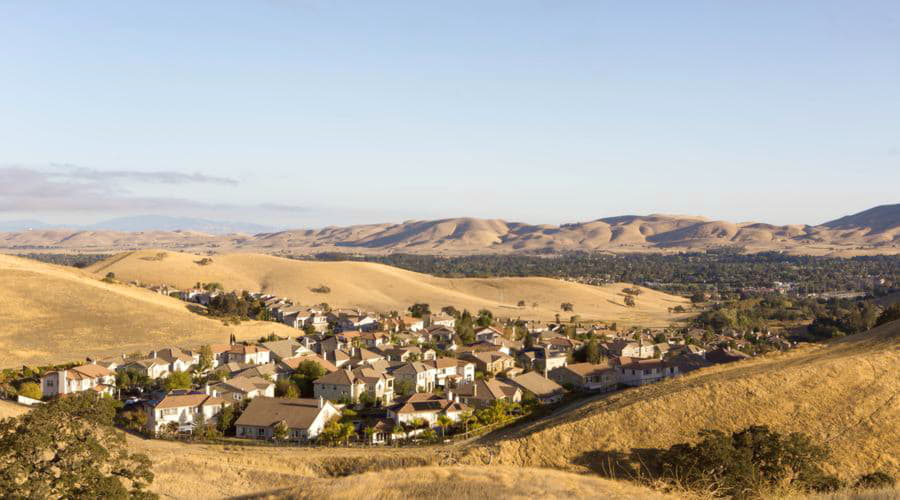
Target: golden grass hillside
{"type": "Point", "coordinates": [843, 394]}
{"type": "Point", "coordinates": [215, 471]}
{"type": "Point", "coordinates": [52, 314]}
{"type": "Point", "coordinates": [384, 288]}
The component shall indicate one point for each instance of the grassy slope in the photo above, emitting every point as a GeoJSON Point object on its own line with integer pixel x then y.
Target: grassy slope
{"type": "Point", "coordinates": [844, 394]}
{"type": "Point", "coordinates": [57, 314]}
{"type": "Point", "coordinates": [385, 288]}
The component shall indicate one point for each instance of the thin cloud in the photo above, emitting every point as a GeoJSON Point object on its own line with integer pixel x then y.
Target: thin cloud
{"type": "Point", "coordinates": [77, 172]}
{"type": "Point", "coordinates": [24, 189]}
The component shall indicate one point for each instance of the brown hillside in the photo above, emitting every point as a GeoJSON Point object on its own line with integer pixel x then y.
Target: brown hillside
{"type": "Point", "coordinates": [56, 314]}
{"type": "Point", "coordinates": [844, 394]}
{"type": "Point", "coordinates": [384, 288]}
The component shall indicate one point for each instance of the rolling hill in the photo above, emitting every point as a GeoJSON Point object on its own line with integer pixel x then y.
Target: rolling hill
{"type": "Point", "coordinates": [383, 288]}
{"type": "Point", "coordinates": [874, 231]}
{"type": "Point", "coordinates": [56, 314]}
{"type": "Point", "coordinates": [845, 393]}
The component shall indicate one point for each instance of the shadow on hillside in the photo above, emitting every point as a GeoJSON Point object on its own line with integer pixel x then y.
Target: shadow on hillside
{"type": "Point", "coordinates": [196, 309]}
{"type": "Point", "coordinates": [614, 464]}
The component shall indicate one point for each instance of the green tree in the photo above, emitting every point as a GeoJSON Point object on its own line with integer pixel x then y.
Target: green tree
{"type": "Point", "coordinates": [443, 422]}
{"type": "Point", "coordinates": [178, 380]}
{"type": "Point", "coordinates": [465, 327]}
{"type": "Point", "coordinates": [419, 310]}
{"type": "Point", "coordinates": [485, 318]}
{"type": "Point", "coordinates": [629, 301]}
{"type": "Point", "coordinates": [206, 359]}
{"type": "Point", "coordinates": [592, 351]}
{"type": "Point", "coordinates": [890, 314]}
{"type": "Point", "coordinates": [226, 419]}
{"type": "Point", "coordinates": [68, 448]}
{"type": "Point", "coordinates": [280, 431]}
{"type": "Point", "coordinates": [30, 390]}
{"type": "Point", "coordinates": [567, 307]}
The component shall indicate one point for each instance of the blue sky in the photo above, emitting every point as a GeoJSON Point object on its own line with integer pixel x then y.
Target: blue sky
{"type": "Point", "coordinates": [311, 113]}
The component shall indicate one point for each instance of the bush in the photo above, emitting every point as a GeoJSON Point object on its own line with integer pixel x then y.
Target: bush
{"type": "Point", "coordinates": [30, 390]}
{"type": "Point", "coordinates": [321, 289]}
{"type": "Point", "coordinates": [875, 480]}
{"type": "Point", "coordinates": [746, 462]}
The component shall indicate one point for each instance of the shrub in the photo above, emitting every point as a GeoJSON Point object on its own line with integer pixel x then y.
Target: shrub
{"type": "Point", "coordinates": [744, 463]}
{"type": "Point", "coordinates": [30, 390]}
{"type": "Point", "coordinates": [321, 289]}
{"type": "Point", "coordinates": [875, 480]}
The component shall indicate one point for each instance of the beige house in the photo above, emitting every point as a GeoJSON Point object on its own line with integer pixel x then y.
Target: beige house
{"type": "Point", "coordinates": [184, 409]}
{"type": "Point", "coordinates": [79, 379]}
{"type": "Point", "coordinates": [422, 376]}
{"type": "Point", "coordinates": [490, 361]}
{"type": "Point", "coordinates": [304, 418]}
{"type": "Point", "coordinates": [586, 377]}
{"type": "Point", "coordinates": [240, 389]}
{"type": "Point", "coordinates": [425, 406]}
{"type": "Point", "coordinates": [481, 393]}
{"type": "Point", "coordinates": [249, 354]}
{"type": "Point", "coordinates": [635, 372]}
{"type": "Point", "coordinates": [542, 388]}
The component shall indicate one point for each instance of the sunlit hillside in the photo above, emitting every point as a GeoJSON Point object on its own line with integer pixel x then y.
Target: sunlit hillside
{"type": "Point", "coordinates": [844, 394]}
{"type": "Point", "coordinates": [384, 288]}
{"type": "Point", "coordinates": [55, 314]}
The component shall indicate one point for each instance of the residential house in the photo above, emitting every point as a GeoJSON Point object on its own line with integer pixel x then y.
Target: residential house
{"type": "Point", "coordinates": [451, 369]}
{"type": "Point", "coordinates": [79, 379]}
{"type": "Point", "coordinates": [250, 354]}
{"type": "Point", "coordinates": [488, 334]}
{"type": "Point", "coordinates": [284, 349]}
{"type": "Point", "coordinates": [586, 376]}
{"type": "Point", "coordinates": [240, 389]}
{"type": "Point", "coordinates": [635, 372]}
{"type": "Point", "coordinates": [152, 368]}
{"type": "Point", "coordinates": [304, 418]}
{"type": "Point", "coordinates": [374, 340]}
{"type": "Point", "coordinates": [408, 353]}
{"type": "Point", "coordinates": [288, 366]}
{"type": "Point", "coordinates": [481, 393]}
{"type": "Point", "coordinates": [340, 385]}
{"type": "Point", "coordinates": [422, 376]}
{"type": "Point", "coordinates": [178, 359]}
{"type": "Point", "coordinates": [412, 324]}
{"type": "Point", "coordinates": [183, 408]}
{"type": "Point", "coordinates": [442, 319]}
{"type": "Point", "coordinates": [490, 361]}
{"type": "Point", "coordinates": [426, 406]}
{"type": "Point", "coordinates": [540, 387]}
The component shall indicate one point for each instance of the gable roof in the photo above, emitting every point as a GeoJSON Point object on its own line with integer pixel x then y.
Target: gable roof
{"type": "Point", "coordinates": [188, 400]}
{"type": "Point", "coordinates": [282, 348]}
{"type": "Point", "coordinates": [294, 363]}
{"type": "Point", "coordinates": [537, 384]}
{"type": "Point", "coordinates": [296, 413]}
{"type": "Point", "coordinates": [425, 402]}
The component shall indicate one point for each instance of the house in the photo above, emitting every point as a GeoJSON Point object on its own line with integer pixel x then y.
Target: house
{"type": "Point", "coordinates": [412, 324]}
{"type": "Point", "coordinates": [443, 319]}
{"type": "Point", "coordinates": [543, 360]}
{"type": "Point", "coordinates": [542, 388]}
{"type": "Point", "coordinates": [152, 368]}
{"type": "Point", "coordinates": [481, 393]}
{"type": "Point", "coordinates": [340, 385]}
{"type": "Point", "coordinates": [378, 385]}
{"type": "Point", "coordinates": [631, 348]}
{"type": "Point", "coordinates": [251, 354]}
{"type": "Point", "coordinates": [79, 379]}
{"type": "Point", "coordinates": [586, 376]}
{"type": "Point", "coordinates": [284, 349]}
{"type": "Point", "coordinates": [721, 355]}
{"type": "Point", "coordinates": [635, 372]}
{"type": "Point", "coordinates": [290, 365]}
{"type": "Point", "coordinates": [488, 334]}
{"type": "Point", "coordinates": [422, 376]}
{"type": "Point", "coordinates": [451, 369]}
{"type": "Point", "coordinates": [372, 340]}
{"type": "Point", "coordinates": [408, 353]}
{"type": "Point", "coordinates": [178, 359]}
{"type": "Point", "coordinates": [240, 389]}
{"type": "Point", "coordinates": [425, 406]}
{"type": "Point", "coordinates": [184, 409]}
{"type": "Point", "coordinates": [363, 357]}
{"type": "Point", "coordinates": [304, 418]}
{"type": "Point", "coordinates": [490, 361]}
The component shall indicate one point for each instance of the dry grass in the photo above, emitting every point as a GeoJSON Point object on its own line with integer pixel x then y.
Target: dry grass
{"type": "Point", "coordinates": [384, 288]}
{"type": "Point", "coordinates": [844, 394]}
{"type": "Point", "coordinates": [56, 314]}
{"type": "Point", "coordinates": [467, 482]}
{"type": "Point", "coordinates": [10, 409]}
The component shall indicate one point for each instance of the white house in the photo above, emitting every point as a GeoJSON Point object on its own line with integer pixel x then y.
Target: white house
{"type": "Point", "coordinates": [183, 408]}
{"type": "Point", "coordinates": [636, 372]}
{"type": "Point", "coordinates": [427, 407]}
{"type": "Point", "coordinates": [304, 418]}
{"type": "Point", "coordinates": [78, 379]}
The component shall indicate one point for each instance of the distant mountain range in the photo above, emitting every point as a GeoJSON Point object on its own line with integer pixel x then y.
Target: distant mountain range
{"type": "Point", "coordinates": [874, 231]}
{"type": "Point", "coordinates": [140, 223]}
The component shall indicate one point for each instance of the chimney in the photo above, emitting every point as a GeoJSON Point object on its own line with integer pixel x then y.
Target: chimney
{"type": "Point", "coordinates": [321, 402]}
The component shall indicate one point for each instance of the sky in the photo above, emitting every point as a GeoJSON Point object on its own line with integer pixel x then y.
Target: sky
{"type": "Point", "coordinates": [315, 113]}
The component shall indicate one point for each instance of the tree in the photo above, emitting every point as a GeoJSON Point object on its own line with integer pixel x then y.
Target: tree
{"type": "Point", "coordinates": [304, 376]}
{"type": "Point", "coordinates": [485, 318]}
{"type": "Point", "coordinates": [178, 380]}
{"type": "Point", "coordinates": [521, 303]}
{"type": "Point", "coordinates": [450, 311]}
{"type": "Point", "coordinates": [890, 314]}
{"type": "Point", "coordinates": [567, 307]}
{"type": "Point", "coordinates": [280, 431]}
{"type": "Point", "coordinates": [419, 310]}
{"type": "Point", "coordinates": [30, 390]}
{"type": "Point", "coordinates": [68, 448]}
{"type": "Point", "coordinates": [226, 419]}
{"type": "Point", "coordinates": [629, 301]}
{"type": "Point", "coordinates": [404, 387]}
{"type": "Point", "coordinates": [745, 462]}
{"type": "Point", "coordinates": [336, 432]}
{"type": "Point", "coordinates": [286, 388]}
{"type": "Point", "coordinates": [206, 359]}
{"type": "Point", "coordinates": [369, 431]}
{"type": "Point", "coordinates": [443, 422]}
{"type": "Point", "coordinates": [465, 327]}
{"type": "Point", "coordinates": [592, 351]}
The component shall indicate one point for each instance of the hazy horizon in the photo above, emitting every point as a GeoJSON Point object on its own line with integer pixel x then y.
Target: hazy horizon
{"type": "Point", "coordinates": [307, 114]}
